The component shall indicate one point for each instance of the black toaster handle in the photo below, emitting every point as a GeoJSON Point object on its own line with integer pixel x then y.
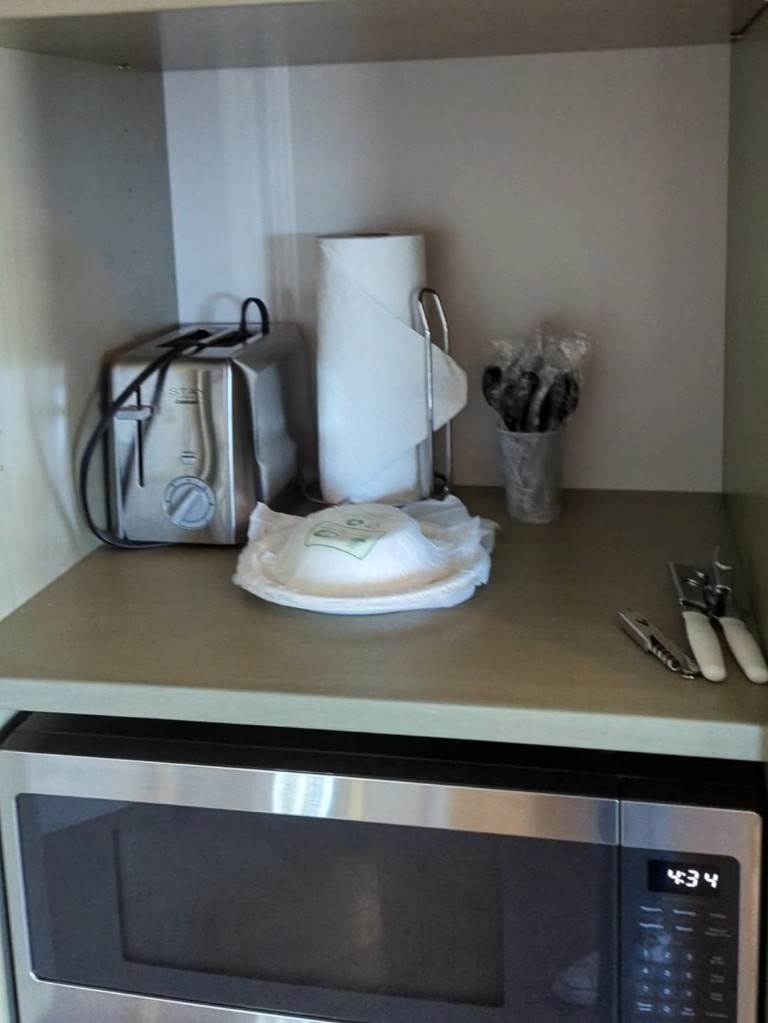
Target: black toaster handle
{"type": "Point", "coordinates": [243, 330]}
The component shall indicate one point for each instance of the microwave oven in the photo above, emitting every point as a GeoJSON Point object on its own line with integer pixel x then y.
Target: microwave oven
{"type": "Point", "coordinates": [187, 873]}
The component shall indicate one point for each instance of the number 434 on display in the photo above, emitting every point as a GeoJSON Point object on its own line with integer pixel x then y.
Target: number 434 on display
{"type": "Point", "coordinates": [692, 878]}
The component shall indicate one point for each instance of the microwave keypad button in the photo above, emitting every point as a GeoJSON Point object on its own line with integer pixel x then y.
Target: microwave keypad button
{"type": "Point", "coordinates": [648, 953]}
{"type": "Point", "coordinates": [645, 972]}
{"type": "Point", "coordinates": [667, 992]}
{"type": "Point", "coordinates": [667, 973]}
{"type": "Point", "coordinates": [667, 1010]}
{"type": "Point", "coordinates": [656, 952]}
{"type": "Point", "coordinates": [645, 1008]}
{"type": "Point", "coordinates": [651, 909]}
{"type": "Point", "coordinates": [644, 989]}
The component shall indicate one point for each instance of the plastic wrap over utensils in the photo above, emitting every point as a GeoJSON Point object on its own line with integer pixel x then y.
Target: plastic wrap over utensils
{"type": "Point", "coordinates": [371, 371]}
{"type": "Point", "coordinates": [367, 558]}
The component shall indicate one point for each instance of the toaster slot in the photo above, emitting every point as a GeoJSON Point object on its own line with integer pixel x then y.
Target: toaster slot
{"type": "Point", "coordinates": [139, 427]}
{"type": "Point", "coordinates": [136, 414]}
{"type": "Point", "coordinates": [183, 339]}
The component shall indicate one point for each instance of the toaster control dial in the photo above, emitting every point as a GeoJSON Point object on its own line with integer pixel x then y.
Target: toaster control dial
{"type": "Point", "coordinates": [189, 502]}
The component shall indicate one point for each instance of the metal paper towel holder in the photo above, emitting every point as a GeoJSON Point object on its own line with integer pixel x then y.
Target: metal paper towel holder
{"type": "Point", "coordinates": [435, 484]}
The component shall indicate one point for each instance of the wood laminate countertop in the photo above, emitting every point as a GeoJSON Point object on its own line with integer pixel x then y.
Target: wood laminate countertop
{"type": "Point", "coordinates": [534, 657]}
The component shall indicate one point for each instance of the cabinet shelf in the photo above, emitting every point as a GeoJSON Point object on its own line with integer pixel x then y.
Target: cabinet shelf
{"type": "Point", "coordinates": [251, 33]}
{"type": "Point", "coordinates": [535, 656]}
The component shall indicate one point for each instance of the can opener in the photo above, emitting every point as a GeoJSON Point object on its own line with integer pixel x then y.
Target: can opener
{"type": "Point", "coordinates": [705, 596]}
{"type": "Point", "coordinates": [654, 642]}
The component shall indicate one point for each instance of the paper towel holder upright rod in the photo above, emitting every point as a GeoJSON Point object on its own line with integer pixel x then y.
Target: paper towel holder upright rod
{"type": "Point", "coordinates": [447, 481]}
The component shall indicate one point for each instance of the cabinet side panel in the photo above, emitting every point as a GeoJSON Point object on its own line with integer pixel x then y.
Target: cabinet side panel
{"type": "Point", "coordinates": [746, 404]}
{"type": "Point", "coordinates": [86, 263]}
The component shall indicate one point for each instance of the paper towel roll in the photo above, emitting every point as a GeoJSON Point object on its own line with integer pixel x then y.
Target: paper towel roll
{"type": "Point", "coordinates": [371, 372]}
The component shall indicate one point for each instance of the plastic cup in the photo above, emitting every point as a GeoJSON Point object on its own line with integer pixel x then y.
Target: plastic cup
{"type": "Point", "coordinates": [532, 466]}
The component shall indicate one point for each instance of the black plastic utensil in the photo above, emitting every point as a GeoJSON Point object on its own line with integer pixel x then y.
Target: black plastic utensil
{"type": "Point", "coordinates": [516, 399]}
{"type": "Point", "coordinates": [568, 401]}
{"type": "Point", "coordinates": [560, 402]}
{"type": "Point", "coordinates": [540, 403]}
{"type": "Point", "coordinates": [506, 407]}
{"type": "Point", "coordinates": [491, 384]}
{"type": "Point", "coordinates": [550, 406]}
{"type": "Point", "coordinates": [574, 393]}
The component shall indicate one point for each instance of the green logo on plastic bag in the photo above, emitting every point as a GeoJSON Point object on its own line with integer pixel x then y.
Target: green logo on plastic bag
{"type": "Point", "coordinates": [355, 537]}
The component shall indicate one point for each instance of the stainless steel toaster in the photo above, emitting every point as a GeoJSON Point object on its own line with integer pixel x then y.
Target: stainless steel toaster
{"type": "Point", "coordinates": [207, 436]}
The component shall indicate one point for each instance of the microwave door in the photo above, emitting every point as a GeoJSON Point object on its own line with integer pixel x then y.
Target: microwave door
{"type": "Point", "coordinates": [245, 896]}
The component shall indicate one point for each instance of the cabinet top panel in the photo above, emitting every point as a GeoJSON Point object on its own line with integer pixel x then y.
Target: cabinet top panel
{"type": "Point", "coordinates": [188, 35]}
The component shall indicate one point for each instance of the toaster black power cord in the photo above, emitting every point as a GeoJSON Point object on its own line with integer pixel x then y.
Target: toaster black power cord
{"type": "Point", "coordinates": [157, 365]}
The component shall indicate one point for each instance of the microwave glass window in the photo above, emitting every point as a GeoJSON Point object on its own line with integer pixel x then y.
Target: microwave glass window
{"type": "Point", "coordinates": [339, 920]}
{"type": "Point", "coordinates": [360, 910]}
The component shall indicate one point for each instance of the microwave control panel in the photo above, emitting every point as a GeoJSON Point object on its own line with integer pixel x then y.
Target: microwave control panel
{"type": "Point", "coordinates": [680, 937]}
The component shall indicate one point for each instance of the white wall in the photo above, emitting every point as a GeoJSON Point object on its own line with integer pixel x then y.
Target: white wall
{"type": "Point", "coordinates": [586, 188]}
{"type": "Point", "coordinates": [85, 264]}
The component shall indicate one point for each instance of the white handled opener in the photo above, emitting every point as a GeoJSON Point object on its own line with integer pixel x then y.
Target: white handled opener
{"type": "Point", "coordinates": [705, 597]}
{"type": "Point", "coordinates": [743, 644]}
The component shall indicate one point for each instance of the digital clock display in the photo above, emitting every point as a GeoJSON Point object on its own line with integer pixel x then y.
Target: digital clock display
{"type": "Point", "coordinates": [683, 878]}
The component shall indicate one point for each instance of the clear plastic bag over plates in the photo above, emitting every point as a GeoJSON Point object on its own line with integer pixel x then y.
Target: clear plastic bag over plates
{"type": "Point", "coordinates": [367, 558]}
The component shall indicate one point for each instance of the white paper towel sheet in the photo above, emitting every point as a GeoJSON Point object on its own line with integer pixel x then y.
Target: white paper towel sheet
{"type": "Point", "coordinates": [371, 372]}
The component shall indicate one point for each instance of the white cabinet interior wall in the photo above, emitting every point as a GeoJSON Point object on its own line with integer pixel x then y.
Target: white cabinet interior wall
{"type": "Point", "coordinates": [588, 188]}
